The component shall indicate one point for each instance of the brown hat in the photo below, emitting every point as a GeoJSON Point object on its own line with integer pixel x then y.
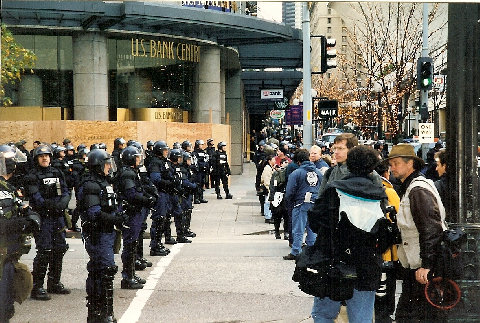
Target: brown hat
{"type": "Point", "coordinates": [407, 151]}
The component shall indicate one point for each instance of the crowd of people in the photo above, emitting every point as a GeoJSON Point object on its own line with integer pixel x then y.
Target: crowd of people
{"type": "Point", "coordinates": [335, 194]}
{"type": "Point", "coordinates": [114, 194]}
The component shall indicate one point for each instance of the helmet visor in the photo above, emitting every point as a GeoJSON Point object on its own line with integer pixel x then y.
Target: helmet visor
{"type": "Point", "coordinates": [20, 157]}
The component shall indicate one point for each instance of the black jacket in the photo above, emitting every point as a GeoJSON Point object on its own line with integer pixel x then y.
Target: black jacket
{"type": "Point", "coordinates": [323, 220]}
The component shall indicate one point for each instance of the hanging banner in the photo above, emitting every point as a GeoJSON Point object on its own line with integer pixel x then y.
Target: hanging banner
{"type": "Point", "coordinates": [277, 114]}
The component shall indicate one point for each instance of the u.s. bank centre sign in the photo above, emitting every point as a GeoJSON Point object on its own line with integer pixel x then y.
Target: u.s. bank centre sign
{"type": "Point", "coordinates": [165, 49]}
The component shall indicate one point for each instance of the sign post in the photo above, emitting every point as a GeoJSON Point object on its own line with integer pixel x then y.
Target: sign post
{"type": "Point", "coordinates": [426, 133]}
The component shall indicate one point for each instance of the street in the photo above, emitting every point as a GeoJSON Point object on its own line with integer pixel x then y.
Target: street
{"type": "Point", "coordinates": [232, 272]}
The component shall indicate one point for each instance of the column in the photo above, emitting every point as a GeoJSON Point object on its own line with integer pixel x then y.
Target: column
{"type": "Point", "coordinates": [207, 86]}
{"type": "Point", "coordinates": [223, 114]}
{"type": "Point", "coordinates": [234, 106]}
{"type": "Point", "coordinates": [90, 78]}
{"type": "Point", "coordinates": [30, 91]}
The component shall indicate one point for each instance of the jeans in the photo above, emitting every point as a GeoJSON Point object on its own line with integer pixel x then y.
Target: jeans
{"type": "Point", "coordinates": [299, 224]}
{"type": "Point", "coordinates": [359, 308]}
{"type": "Point", "coordinates": [266, 211]}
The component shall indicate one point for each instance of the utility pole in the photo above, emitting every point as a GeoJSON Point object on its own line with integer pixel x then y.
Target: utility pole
{"type": "Point", "coordinates": [307, 79]}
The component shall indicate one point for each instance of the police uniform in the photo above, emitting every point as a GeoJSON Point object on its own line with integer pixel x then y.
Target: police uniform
{"type": "Point", "coordinates": [159, 173]}
{"type": "Point", "coordinates": [210, 150]}
{"type": "Point", "coordinates": [100, 204]}
{"type": "Point", "coordinates": [48, 195]}
{"type": "Point", "coordinates": [200, 159]}
{"type": "Point", "coordinates": [189, 187]}
{"type": "Point", "coordinates": [221, 170]}
{"type": "Point", "coordinates": [133, 197]}
{"type": "Point", "coordinates": [14, 227]}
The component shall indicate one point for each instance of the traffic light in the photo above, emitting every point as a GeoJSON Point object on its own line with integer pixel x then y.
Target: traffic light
{"type": "Point", "coordinates": [424, 73]}
{"type": "Point", "coordinates": [328, 54]}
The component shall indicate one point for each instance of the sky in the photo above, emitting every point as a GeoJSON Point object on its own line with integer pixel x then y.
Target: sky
{"type": "Point", "coordinates": [270, 11]}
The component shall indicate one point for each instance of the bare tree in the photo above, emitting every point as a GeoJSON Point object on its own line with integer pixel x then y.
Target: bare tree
{"type": "Point", "coordinates": [385, 41]}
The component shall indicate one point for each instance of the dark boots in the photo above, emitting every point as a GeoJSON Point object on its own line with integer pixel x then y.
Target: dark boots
{"type": "Point", "coordinates": [54, 285]}
{"type": "Point", "coordinates": [40, 266]}
{"type": "Point", "coordinates": [168, 232]}
{"type": "Point", "coordinates": [129, 281]}
{"type": "Point", "coordinates": [100, 305]}
{"type": "Point", "coordinates": [140, 262]}
{"type": "Point", "coordinates": [188, 220]}
{"type": "Point", "coordinates": [202, 200]}
{"type": "Point", "coordinates": [157, 248]}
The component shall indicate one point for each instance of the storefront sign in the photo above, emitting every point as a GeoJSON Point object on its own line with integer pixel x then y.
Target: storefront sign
{"type": "Point", "coordinates": [226, 6]}
{"type": "Point", "coordinates": [165, 49]}
{"type": "Point", "coordinates": [157, 114]}
{"type": "Point", "coordinates": [271, 94]}
{"type": "Point", "coordinates": [277, 114]}
{"type": "Point", "coordinates": [294, 115]}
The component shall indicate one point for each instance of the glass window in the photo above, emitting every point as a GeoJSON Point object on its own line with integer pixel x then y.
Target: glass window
{"type": "Point", "coordinates": [344, 39]}
{"type": "Point", "coordinates": [329, 29]}
{"type": "Point", "coordinates": [146, 81]}
{"type": "Point", "coordinates": [329, 20]}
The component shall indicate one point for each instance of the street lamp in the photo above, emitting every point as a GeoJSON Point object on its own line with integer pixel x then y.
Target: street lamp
{"type": "Point", "coordinates": [377, 88]}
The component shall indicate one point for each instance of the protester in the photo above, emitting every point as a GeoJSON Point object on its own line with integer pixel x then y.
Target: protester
{"type": "Point", "coordinates": [421, 222]}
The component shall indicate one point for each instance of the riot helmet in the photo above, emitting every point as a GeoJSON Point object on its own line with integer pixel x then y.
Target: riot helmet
{"type": "Point", "coordinates": [81, 146]}
{"type": "Point", "coordinates": [150, 144]}
{"type": "Point", "coordinates": [261, 143]}
{"type": "Point", "coordinates": [103, 146]}
{"type": "Point", "coordinates": [176, 145]}
{"type": "Point", "coordinates": [83, 154]}
{"type": "Point", "coordinates": [117, 142]}
{"type": "Point", "coordinates": [159, 147]}
{"type": "Point", "coordinates": [175, 155]}
{"type": "Point", "coordinates": [210, 141]}
{"type": "Point", "coordinates": [186, 144]}
{"type": "Point", "coordinates": [221, 144]}
{"type": "Point", "coordinates": [187, 158]}
{"type": "Point", "coordinates": [129, 156]}
{"type": "Point", "coordinates": [57, 152]}
{"type": "Point", "coordinates": [94, 146]}
{"type": "Point", "coordinates": [42, 149]}
{"type": "Point", "coordinates": [66, 141]}
{"type": "Point", "coordinates": [70, 147]}
{"type": "Point", "coordinates": [198, 143]}
{"type": "Point", "coordinates": [8, 162]}
{"type": "Point", "coordinates": [96, 161]}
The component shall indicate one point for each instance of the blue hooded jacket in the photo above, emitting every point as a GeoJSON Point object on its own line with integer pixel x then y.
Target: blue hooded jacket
{"type": "Point", "coordinates": [307, 178]}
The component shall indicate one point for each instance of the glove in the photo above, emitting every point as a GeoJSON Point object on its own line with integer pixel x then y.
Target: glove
{"type": "Point", "coordinates": [150, 201]}
{"type": "Point", "coordinates": [121, 218]}
{"type": "Point", "coordinates": [33, 223]}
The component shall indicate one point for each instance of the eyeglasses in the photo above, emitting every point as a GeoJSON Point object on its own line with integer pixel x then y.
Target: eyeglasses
{"type": "Point", "coordinates": [334, 149]}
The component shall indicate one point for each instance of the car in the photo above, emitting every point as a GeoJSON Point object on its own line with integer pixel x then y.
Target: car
{"type": "Point", "coordinates": [330, 137]}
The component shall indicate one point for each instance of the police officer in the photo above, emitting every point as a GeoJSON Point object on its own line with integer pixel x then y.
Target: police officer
{"type": "Point", "coordinates": [190, 187]}
{"type": "Point", "coordinates": [176, 159]}
{"type": "Point", "coordinates": [159, 172]}
{"type": "Point", "coordinates": [221, 170]}
{"type": "Point", "coordinates": [70, 153]}
{"type": "Point", "coordinates": [118, 145]}
{"type": "Point", "coordinates": [101, 214]}
{"type": "Point", "coordinates": [210, 151]}
{"type": "Point", "coordinates": [149, 152]}
{"type": "Point", "coordinates": [16, 221]}
{"type": "Point", "coordinates": [200, 159]}
{"type": "Point", "coordinates": [134, 198]}
{"type": "Point", "coordinates": [150, 191]}
{"type": "Point", "coordinates": [79, 169]}
{"type": "Point", "coordinates": [48, 195]}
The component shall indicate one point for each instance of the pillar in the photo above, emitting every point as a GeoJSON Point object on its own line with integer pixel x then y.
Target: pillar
{"type": "Point", "coordinates": [30, 91]}
{"type": "Point", "coordinates": [90, 78]}
{"type": "Point", "coordinates": [207, 94]}
{"type": "Point", "coordinates": [234, 107]}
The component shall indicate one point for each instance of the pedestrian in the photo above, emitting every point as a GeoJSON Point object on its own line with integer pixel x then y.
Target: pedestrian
{"type": "Point", "coordinates": [278, 185]}
{"type": "Point", "coordinates": [442, 183]}
{"type": "Point", "coordinates": [317, 158]}
{"type": "Point", "coordinates": [344, 218]}
{"type": "Point", "coordinates": [385, 295]}
{"type": "Point", "coordinates": [221, 170]}
{"type": "Point", "coordinates": [16, 222]}
{"type": "Point", "coordinates": [301, 192]}
{"type": "Point", "coordinates": [101, 214]}
{"type": "Point", "coordinates": [341, 145]}
{"type": "Point", "coordinates": [48, 196]}
{"type": "Point", "coordinates": [420, 219]}
{"type": "Point", "coordinates": [265, 184]}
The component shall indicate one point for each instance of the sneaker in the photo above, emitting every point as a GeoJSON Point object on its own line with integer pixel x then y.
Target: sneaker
{"type": "Point", "coordinates": [289, 257]}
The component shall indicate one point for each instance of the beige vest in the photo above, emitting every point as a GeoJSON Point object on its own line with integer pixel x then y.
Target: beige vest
{"type": "Point", "coordinates": [409, 249]}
